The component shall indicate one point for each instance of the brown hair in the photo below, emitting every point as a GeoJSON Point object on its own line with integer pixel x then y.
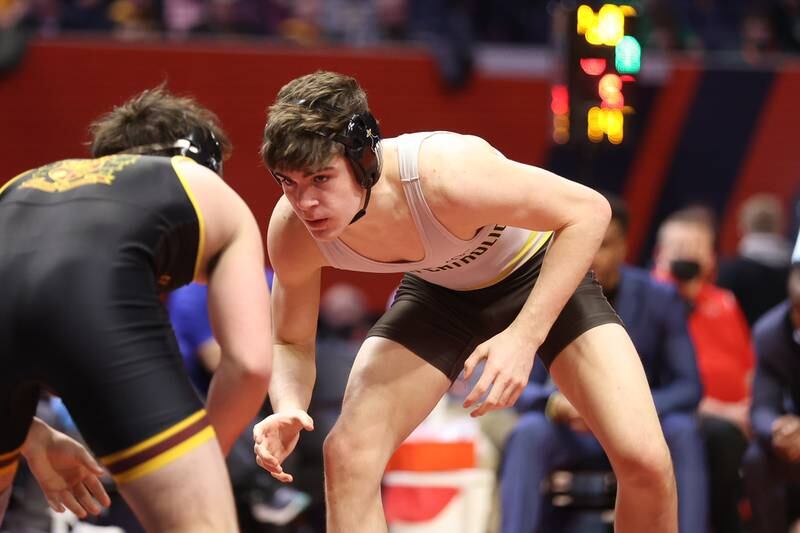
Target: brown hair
{"type": "Point", "coordinates": [153, 117]}
{"type": "Point", "coordinates": [695, 215]}
{"type": "Point", "coordinates": [761, 213]}
{"type": "Point", "coordinates": [306, 112]}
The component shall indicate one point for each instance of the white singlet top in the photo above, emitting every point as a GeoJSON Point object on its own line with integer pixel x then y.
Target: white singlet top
{"type": "Point", "coordinates": [495, 252]}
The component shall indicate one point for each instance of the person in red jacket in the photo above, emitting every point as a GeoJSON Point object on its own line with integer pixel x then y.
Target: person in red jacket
{"type": "Point", "coordinates": [685, 255]}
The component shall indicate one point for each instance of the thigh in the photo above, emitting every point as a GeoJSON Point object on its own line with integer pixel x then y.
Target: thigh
{"type": "Point", "coordinates": [586, 309]}
{"type": "Point", "coordinates": [17, 408]}
{"type": "Point", "coordinates": [602, 376]}
{"type": "Point", "coordinates": [118, 369]}
{"type": "Point", "coordinates": [432, 322]}
{"type": "Point", "coordinates": [390, 391]}
{"type": "Point", "coordinates": [190, 493]}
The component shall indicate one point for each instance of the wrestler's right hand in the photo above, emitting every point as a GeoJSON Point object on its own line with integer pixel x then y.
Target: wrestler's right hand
{"type": "Point", "coordinates": [66, 472]}
{"type": "Point", "coordinates": [275, 438]}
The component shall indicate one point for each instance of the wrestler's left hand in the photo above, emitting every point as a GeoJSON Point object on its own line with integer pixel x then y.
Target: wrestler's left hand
{"type": "Point", "coordinates": [66, 472]}
{"type": "Point", "coordinates": [509, 358]}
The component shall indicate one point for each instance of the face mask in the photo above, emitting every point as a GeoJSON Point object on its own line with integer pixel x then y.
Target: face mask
{"type": "Point", "coordinates": [684, 269]}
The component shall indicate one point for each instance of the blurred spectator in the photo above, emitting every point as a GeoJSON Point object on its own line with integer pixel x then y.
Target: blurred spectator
{"type": "Point", "coordinates": [772, 463]}
{"type": "Point", "coordinates": [552, 435]}
{"type": "Point", "coordinates": [16, 18]}
{"type": "Point", "coordinates": [784, 16]}
{"type": "Point", "coordinates": [757, 274]}
{"type": "Point", "coordinates": [85, 15]}
{"type": "Point", "coordinates": [445, 26]}
{"type": "Point", "coordinates": [302, 23]}
{"type": "Point", "coordinates": [353, 22]}
{"type": "Point", "coordinates": [685, 255]}
{"type": "Point", "coordinates": [393, 19]}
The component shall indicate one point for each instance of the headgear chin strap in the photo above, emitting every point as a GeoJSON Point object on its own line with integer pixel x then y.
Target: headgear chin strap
{"type": "Point", "coordinates": [361, 139]}
{"type": "Point", "coordinates": [200, 145]}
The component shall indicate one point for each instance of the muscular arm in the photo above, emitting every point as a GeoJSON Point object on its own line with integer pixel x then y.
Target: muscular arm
{"type": "Point", "coordinates": [472, 186]}
{"type": "Point", "coordinates": [295, 306]}
{"type": "Point", "coordinates": [238, 306]}
{"type": "Point", "coordinates": [479, 186]}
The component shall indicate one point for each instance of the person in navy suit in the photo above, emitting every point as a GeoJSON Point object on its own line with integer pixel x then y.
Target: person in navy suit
{"type": "Point", "coordinates": [772, 462]}
{"type": "Point", "coordinates": [551, 435]}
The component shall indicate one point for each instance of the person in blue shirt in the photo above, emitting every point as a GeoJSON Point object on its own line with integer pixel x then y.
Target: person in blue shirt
{"type": "Point", "coordinates": [551, 434]}
{"type": "Point", "coordinates": [772, 462]}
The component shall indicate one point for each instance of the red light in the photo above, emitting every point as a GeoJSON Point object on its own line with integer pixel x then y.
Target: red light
{"type": "Point", "coordinates": [627, 78]}
{"type": "Point", "coordinates": [593, 66]}
{"type": "Point", "coordinates": [559, 100]}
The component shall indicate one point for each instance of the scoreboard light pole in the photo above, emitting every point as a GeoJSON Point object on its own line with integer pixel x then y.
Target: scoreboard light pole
{"type": "Point", "coordinates": [603, 64]}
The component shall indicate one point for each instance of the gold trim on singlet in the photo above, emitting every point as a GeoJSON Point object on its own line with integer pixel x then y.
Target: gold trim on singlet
{"type": "Point", "coordinates": [9, 462]}
{"type": "Point", "coordinates": [527, 251]}
{"type": "Point", "coordinates": [200, 222]}
{"type": "Point", "coordinates": [10, 182]}
{"type": "Point", "coordinates": [158, 451]}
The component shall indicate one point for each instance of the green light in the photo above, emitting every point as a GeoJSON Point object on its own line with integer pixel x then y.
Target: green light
{"type": "Point", "coordinates": [628, 54]}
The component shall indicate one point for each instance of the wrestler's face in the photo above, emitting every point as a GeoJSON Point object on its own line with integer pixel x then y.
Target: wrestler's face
{"type": "Point", "coordinates": [325, 199]}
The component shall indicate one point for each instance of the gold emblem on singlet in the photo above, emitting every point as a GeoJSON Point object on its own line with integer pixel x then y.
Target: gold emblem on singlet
{"type": "Point", "coordinates": [72, 173]}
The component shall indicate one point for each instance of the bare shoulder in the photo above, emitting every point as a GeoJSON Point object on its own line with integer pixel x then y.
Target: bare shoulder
{"type": "Point", "coordinates": [457, 172]}
{"type": "Point", "coordinates": [448, 161]}
{"type": "Point", "coordinates": [223, 210]}
{"type": "Point", "coordinates": [293, 253]}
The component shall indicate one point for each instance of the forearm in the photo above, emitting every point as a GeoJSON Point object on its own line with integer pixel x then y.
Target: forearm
{"type": "Point", "coordinates": [566, 263]}
{"type": "Point", "coordinates": [234, 398]}
{"type": "Point", "coordinates": [294, 374]}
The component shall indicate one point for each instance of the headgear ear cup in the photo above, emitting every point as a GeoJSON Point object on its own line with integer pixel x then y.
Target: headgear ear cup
{"type": "Point", "coordinates": [200, 144]}
{"type": "Point", "coordinates": [360, 139]}
{"type": "Point", "coordinates": [204, 148]}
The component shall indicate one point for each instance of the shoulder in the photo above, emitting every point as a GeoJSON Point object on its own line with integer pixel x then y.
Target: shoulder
{"type": "Point", "coordinates": [449, 149]}
{"type": "Point", "coordinates": [769, 325]}
{"type": "Point", "coordinates": [206, 185]}
{"type": "Point", "coordinates": [293, 253]}
{"type": "Point", "coordinates": [722, 297]}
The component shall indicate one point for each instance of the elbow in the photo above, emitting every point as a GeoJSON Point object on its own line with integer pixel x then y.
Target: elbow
{"type": "Point", "coordinates": [599, 210]}
{"type": "Point", "coordinates": [261, 366]}
{"type": "Point", "coordinates": [256, 365]}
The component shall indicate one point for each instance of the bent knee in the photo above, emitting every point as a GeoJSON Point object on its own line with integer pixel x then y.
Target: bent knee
{"type": "Point", "coordinates": [644, 463]}
{"type": "Point", "coordinates": [348, 454]}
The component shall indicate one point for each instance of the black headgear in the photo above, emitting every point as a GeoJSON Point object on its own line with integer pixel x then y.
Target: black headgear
{"type": "Point", "coordinates": [200, 144]}
{"type": "Point", "coordinates": [361, 140]}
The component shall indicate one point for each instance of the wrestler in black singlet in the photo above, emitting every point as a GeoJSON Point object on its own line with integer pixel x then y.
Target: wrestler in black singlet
{"type": "Point", "coordinates": [86, 248]}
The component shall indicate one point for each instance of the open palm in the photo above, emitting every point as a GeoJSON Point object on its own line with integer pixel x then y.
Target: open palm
{"type": "Point", "coordinates": [276, 437]}
{"type": "Point", "coordinates": [68, 475]}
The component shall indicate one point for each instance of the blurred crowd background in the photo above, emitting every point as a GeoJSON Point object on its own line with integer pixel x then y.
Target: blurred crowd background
{"type": "Point", "coordinates": [707, 181]}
